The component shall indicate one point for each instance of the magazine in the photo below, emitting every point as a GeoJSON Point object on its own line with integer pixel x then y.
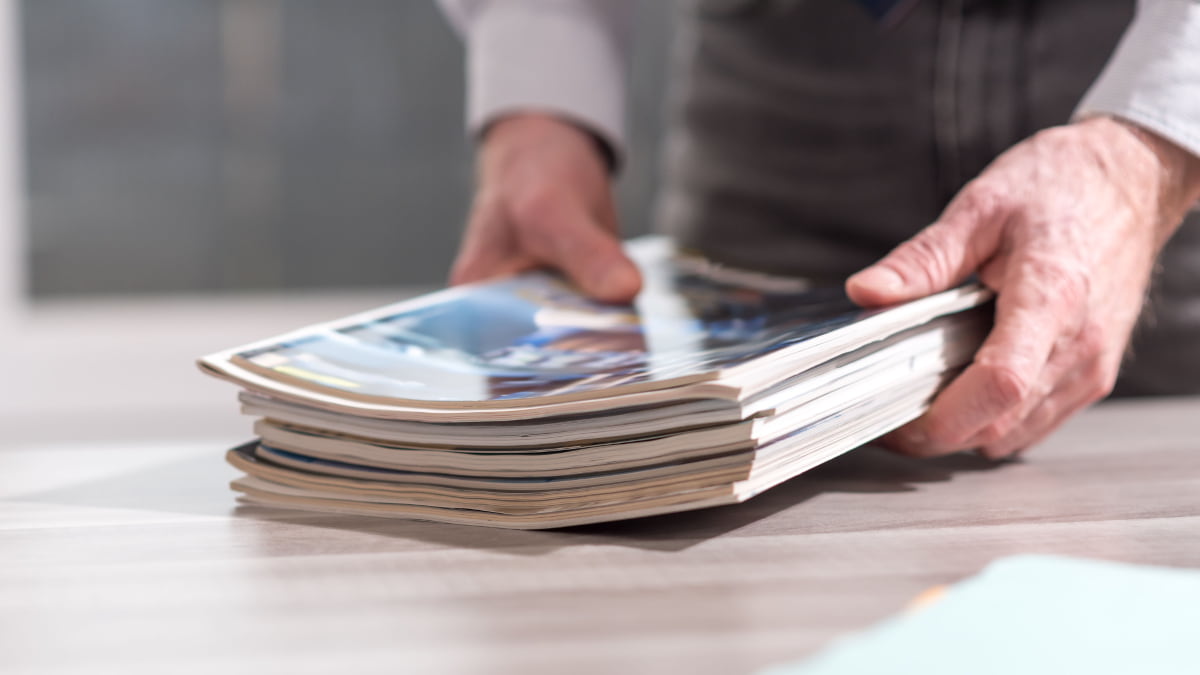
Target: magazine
{"type": "Point", "coordinates": [522, 343]}
{"type": "Point", "coordinates": [521, 403]}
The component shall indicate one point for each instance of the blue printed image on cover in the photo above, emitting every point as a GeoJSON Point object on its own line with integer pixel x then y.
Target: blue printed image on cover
{"type": "Point", "coordinates": [534, 335]}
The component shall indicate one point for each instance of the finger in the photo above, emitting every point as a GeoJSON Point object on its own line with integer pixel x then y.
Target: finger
{"type": "Point", "coordinates": [939, 257]}
{"type": "Point", "coordinates": [912, 439]}
{"type": "Point", "coordinates": [1041, 421]}
{"type": "Point", "coordinates": [488, 250]}
{"type": "Point", "coordinates": [490, 268]}
{"type": "Point", "coordinates": [1062, 371]}
{"type": "Point", "coordinates": [1079, 388]}
{"type": "Point", "coordinates": [560, 233]}
{"type": "Point", "coordinates": [1031, 425]}
{"type": "Point", "coordinates": [905, 441]}
{"type": "Point", "coordinates": [1034, 311]}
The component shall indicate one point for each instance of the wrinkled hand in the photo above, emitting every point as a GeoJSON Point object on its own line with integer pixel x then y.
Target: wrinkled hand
{"type": "Point", "coordinates": [1065, 227]}
{"type": "Point", "coordinates": [545, 200]}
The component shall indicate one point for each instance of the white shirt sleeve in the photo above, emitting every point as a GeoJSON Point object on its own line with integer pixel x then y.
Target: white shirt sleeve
{"type": "Point", "coordinates": [1153, 77]}
{"type": "Point", "coordinates": [565, 57]}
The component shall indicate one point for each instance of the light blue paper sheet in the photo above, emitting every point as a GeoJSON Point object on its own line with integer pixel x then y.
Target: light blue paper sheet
{"type": "Point", "coordinates": [1032, 615]}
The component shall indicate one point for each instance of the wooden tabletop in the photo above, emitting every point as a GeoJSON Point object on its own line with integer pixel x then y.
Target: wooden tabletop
{"type": "Point", "coordinates": [134, 558]}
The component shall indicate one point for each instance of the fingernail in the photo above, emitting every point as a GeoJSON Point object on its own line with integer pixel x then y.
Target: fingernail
{"type": "Point", "coordinates": [619, 282]}
{"type": "Point", "coordinates": [999, 455]}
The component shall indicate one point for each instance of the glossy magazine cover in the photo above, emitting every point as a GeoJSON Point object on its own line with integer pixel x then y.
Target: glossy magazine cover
{"type": "Point", "coordinates": [533, 335]}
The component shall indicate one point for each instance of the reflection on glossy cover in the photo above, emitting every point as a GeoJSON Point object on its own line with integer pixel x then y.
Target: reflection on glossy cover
{"type": "Point", "coordinates": [534, 335]}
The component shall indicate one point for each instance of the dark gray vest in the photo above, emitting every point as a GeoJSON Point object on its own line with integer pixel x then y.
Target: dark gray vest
{"type": "Point", "coordinates": [808, 139]}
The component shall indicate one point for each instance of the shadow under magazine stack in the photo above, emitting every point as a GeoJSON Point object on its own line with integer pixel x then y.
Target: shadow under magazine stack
{"type": "Point", "coordinates": [521, 404]}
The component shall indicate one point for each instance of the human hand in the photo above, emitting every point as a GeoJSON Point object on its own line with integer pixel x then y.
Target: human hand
{"type": "Point", "coordinates": [1065, 227]}
{"type": "Point", "coordinates": [545, 200]}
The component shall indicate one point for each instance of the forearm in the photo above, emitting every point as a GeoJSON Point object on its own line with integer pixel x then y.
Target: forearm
{"type": "Point", "coordinates": [1153, 81]}
{"type": "Point", "coordinates": [568, 58]}
{"type": "Point", "coordinates": [1176, 173]}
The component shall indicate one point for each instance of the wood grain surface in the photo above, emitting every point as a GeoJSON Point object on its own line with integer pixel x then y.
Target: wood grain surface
{"type": "Point", "coordinates": [134, 558]}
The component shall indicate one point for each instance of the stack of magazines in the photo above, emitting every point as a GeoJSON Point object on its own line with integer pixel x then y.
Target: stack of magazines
{"type": "Point", "coordinates": [520, 403]}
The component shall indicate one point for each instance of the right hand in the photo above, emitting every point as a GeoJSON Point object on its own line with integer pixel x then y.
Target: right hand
{"type": "Point", "coordinates": [545, 201]}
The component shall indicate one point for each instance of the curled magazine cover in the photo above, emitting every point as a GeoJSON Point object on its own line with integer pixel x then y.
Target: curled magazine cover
{"type": "Point", "coordinates": [534, 335]}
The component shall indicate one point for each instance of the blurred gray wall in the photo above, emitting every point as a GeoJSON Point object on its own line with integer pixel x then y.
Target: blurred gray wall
{"type": "Point", "coordinates": [202, 145]}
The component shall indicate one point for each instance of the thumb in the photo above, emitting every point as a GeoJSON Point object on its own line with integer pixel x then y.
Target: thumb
{"type": "Point", "coordinates": [567, 237]}
{"type": "Point", "coordinates": [593, 259]}
{"type": "Point", "coordinates": [939, 257]}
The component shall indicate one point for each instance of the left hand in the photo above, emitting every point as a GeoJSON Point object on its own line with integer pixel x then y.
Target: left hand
{"type": "Point", "coordinates": [1065, 227]}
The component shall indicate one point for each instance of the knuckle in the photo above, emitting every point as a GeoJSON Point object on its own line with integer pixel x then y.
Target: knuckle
{"type": "Point", "coordinates": [1099, 380]}
{"type": "Point", "coordinates": [1092, 341]}
{"type": "Point", "coordinates": [930, 262]}
{"type": "Point", "coordinates": [1006, 384]}
{"type": "Point", "coordinates": [1068, 283]}
{"type": "Point", "coordinates": [1056, 289]}
{"type": "Point", "coordinates": [983, 198]}
{"type": "Point", "coordinates": [533, 208]}
{"type": "Point", "coordinates": [992, 434]}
